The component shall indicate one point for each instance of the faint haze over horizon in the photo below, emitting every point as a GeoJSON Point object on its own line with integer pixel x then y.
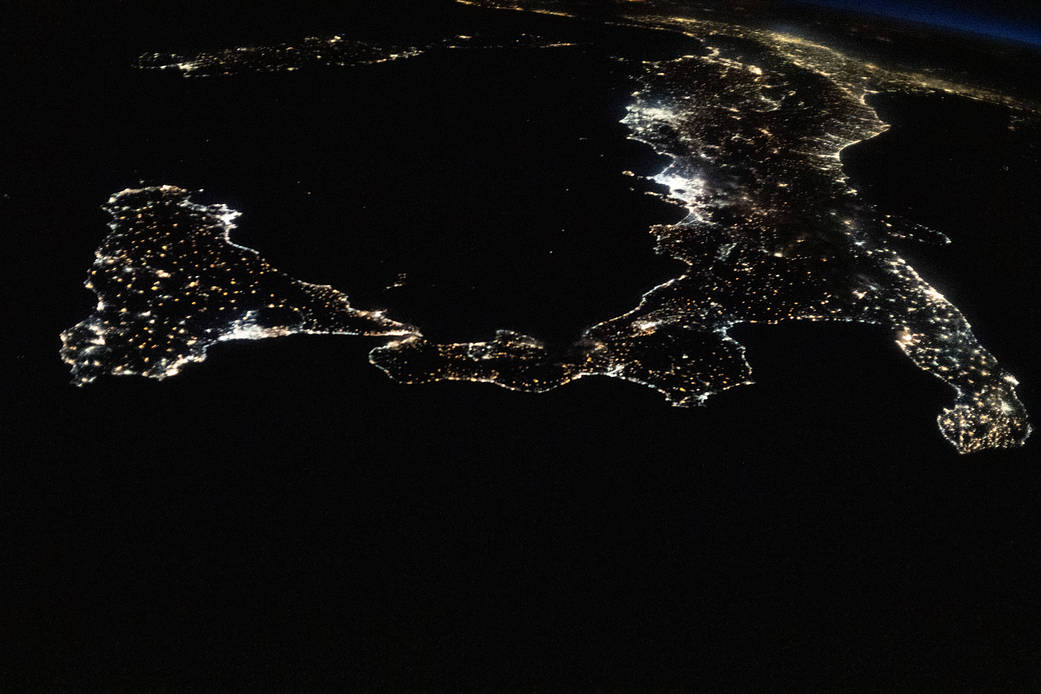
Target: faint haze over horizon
{"type": "Point", "coordinates": [1017, 21]}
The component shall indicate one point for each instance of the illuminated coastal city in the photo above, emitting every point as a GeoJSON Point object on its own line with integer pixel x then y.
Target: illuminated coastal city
{"type": "Point", "coordinates": [171, 283]}
{"type": "Point", "coordinates": [752, 126]}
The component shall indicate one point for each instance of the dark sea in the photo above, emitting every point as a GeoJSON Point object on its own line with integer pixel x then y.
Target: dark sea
{"type": "Point", "coordinates": [283, 518]}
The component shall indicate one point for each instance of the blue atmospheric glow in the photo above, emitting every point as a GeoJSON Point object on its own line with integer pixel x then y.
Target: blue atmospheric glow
{"type": "Point", "coordinates": [947, 18]}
